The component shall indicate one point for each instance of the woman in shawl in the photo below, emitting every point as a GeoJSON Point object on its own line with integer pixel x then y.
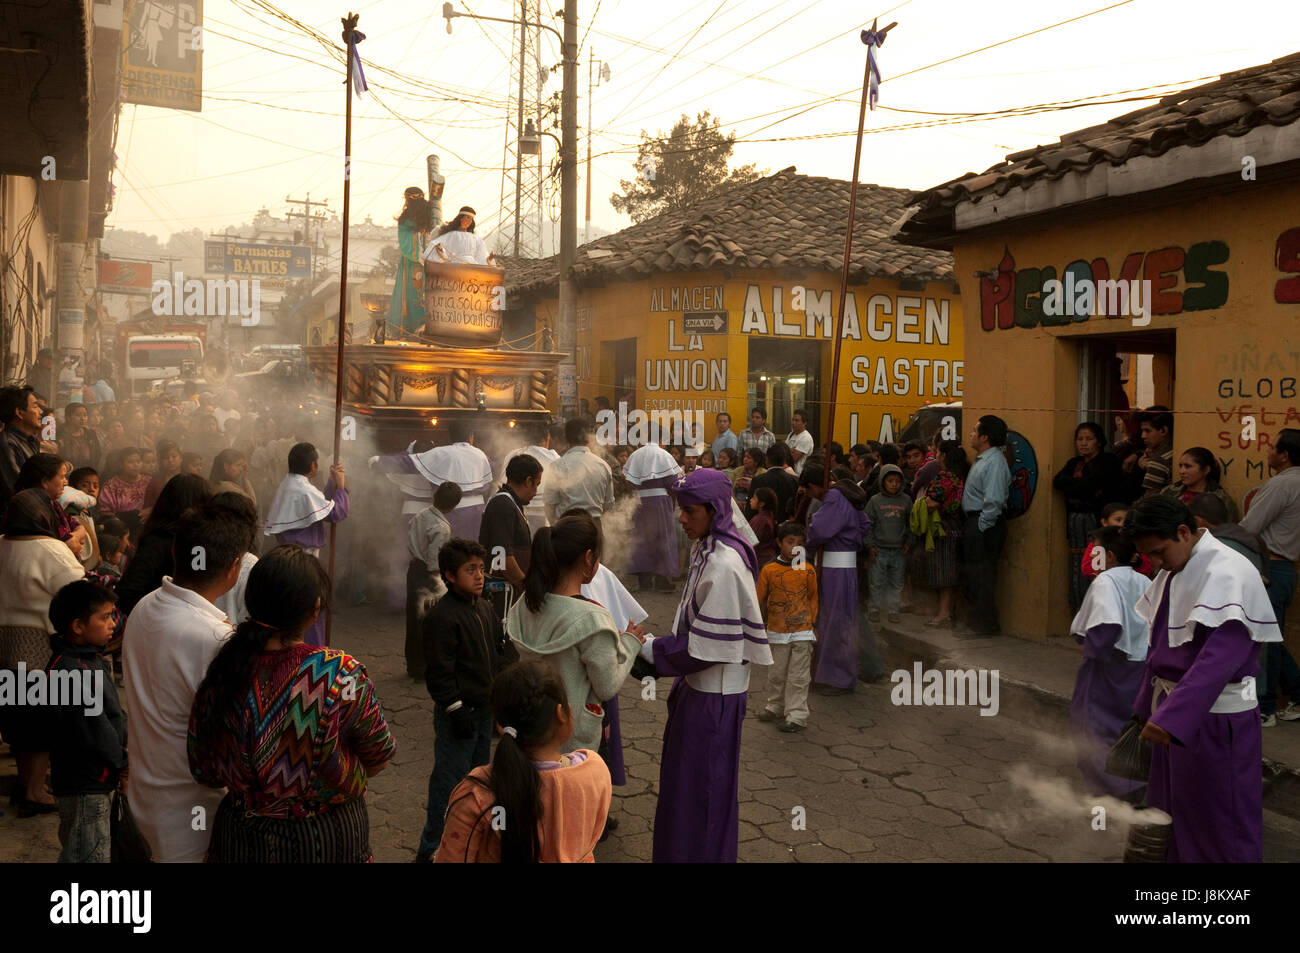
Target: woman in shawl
{"type": "Point", "coordinates": [406, 310]}
{"type": "Point", "coordinates": [34, 565]}
{"type": "Point", "coordinates": [717, 632]}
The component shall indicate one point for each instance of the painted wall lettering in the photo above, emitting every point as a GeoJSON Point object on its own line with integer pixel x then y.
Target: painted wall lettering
{"type": "Point", "coordinates": [1014, 298]}
{"type": "Point", "coordinates": [1287, 258]}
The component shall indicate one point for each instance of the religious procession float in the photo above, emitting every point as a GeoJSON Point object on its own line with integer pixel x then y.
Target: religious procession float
{"type": "Point", "coordinates": [406, 384]}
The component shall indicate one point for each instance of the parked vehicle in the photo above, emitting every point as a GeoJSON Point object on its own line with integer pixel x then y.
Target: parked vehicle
{"type": "Point", "coordinates": [925, 421]}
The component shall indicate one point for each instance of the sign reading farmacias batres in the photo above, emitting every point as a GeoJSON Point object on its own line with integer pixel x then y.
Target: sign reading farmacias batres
{"type": "Point", "coordinates": [464, 303]}
{"type": "Point", "coordinates": [162, 54]}
{"type": "Point", "coordinates": [254, 260]}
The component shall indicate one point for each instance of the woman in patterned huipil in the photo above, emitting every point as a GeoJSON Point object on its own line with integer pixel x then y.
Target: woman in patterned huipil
{"type": "Point", "coordinates": [942, 564]}
{"type": "Point", "coordinates": [294, 731]}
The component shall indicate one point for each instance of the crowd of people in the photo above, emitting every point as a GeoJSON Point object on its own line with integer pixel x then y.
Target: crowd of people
{"type": "Point", "coordinates": [132, 531]}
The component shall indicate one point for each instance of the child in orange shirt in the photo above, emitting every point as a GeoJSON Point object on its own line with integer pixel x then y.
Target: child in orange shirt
{"type": "Point", "coordinates": [532, 804]}
{"type": "Point", "coordinates": [788, 595]}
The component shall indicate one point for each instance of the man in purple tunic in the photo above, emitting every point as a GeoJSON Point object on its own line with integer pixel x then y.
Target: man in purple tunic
{"type": "Point", "coordinates": [717, 633]}
{"type": "Point", "coordinates": [652, 471]}
{"type": "Point", "coordinates": [837, 528]}
{"type": "Point", "coordinates": [1208, 612]}
{"type": "Point", "coordinates": [299, 512]}
{"type": "Point", "coordinates": [461, 463]}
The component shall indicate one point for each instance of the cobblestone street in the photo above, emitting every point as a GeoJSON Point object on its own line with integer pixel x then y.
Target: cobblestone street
{"type": "Point", "coordinates": [867, 781]}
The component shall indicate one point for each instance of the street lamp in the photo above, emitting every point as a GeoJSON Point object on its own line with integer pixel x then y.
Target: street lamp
{"type": "Point", "coordinates": [449, 11]}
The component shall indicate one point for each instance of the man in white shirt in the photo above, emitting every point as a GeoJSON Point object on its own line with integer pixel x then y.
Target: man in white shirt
{"type": "Point", "coordinates": [579, 479]}
{"type": "Point", "coordinates": [800, 440]}
{"type": "Point", "coordinates": [172, 635]}
{"type": "Point", "coordinates": [456, 242]}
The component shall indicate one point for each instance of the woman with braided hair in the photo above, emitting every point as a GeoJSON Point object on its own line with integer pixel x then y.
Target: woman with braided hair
{"type": "Point", "coordinates": [293, 731]}
{"type": "Point", "coordinates": [554, 620]}
{"type": "Point", "coordinates": [535, 803]}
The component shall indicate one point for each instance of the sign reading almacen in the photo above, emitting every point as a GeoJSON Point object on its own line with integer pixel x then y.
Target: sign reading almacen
{"type": "Point", "coordinates": [464, 303]}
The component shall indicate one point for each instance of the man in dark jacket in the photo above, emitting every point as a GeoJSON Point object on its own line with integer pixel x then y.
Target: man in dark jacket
{"type": "Point", "coordinates": [86, 727]}
{"type": "Point", "coordinates": [465, 645]}
{"type": "Point", "coordinates": [20, 412]}
{"type": "Point", "coordinates": [784, 485]}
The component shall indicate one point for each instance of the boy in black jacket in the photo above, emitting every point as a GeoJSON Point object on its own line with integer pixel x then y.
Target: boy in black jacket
{"type": "Point", "coordinates": [87, 725]}
{"type": "Point", "coordinates": [465, 646]}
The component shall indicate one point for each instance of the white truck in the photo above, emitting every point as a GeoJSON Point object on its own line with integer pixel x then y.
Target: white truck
{"type": "Point", "coordinates": [155, 358]}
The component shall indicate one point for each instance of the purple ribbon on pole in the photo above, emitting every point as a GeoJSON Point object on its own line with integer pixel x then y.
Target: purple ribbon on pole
{"type": "Point", "coordinates": [354, 61]}
{"type": "Point", "coordinates": [874, 40]}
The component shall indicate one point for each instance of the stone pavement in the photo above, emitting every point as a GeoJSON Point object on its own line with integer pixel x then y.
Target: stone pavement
{"type": "Point", "coordinates": [868, 780]}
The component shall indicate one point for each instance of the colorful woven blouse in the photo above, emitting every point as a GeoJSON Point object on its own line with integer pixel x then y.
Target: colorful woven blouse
{"type": "Point", "coordinates": [946, 489]}
{"type": "Point", "coordinates": [303, 739]}
{"type": "Point", "coordinates": [119, 496]}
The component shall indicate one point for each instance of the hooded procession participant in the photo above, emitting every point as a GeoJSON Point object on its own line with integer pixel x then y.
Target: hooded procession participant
{"type": "Point", "coordinates": [299, 512]}
{"type": "Point", "coordinates": [1114, 640]}
{"type": "Point", "coordinates": [1208, 611]}
{"type": "Point", "coordinates": [838, 528]}
{"type": "Point", "coordinates": [718, 631]}
{"type": "Point", "coordinates": [459, 462]}
{"type": "Point", "coordinates": [652, 471]}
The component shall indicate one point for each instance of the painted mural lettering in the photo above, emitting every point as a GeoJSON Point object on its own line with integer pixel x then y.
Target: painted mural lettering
{"type": "Point", "coordinates": [707, 298]}
{"type": "Point", "coordinates": [907, 377]}
{"type": "Point", "coordinates": [907, 319]}
{"type": "Point", "coordinates": [1015, 298]}
{"type": "Point", "coordinates": [681, 374]}
{"type": "Point", "coordinates": [1262, 387]}
{"type": "Point", "coordinates": [1286, 257]}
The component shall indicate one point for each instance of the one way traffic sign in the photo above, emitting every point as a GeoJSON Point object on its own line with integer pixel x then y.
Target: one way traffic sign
{"type": "Point", "coordinates": [704, 322]}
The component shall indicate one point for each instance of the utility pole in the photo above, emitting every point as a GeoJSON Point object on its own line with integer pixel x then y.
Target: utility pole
{"type": "Point", "coordinates": [568, 311]}
{"type": "Point", "coordinates": [519, 123]}
{"type": "Point", "coordinates": [603, 74]}
{"type": "Point", "coordinates": [307, 216]}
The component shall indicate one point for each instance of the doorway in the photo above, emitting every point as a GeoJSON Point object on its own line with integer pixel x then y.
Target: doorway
{"type": "Point", "coordinates": [618, 367]}
{"type": "Point", "coordinates": [1122, 373]}
{"type": "Point", "coordinates": [783, 377]}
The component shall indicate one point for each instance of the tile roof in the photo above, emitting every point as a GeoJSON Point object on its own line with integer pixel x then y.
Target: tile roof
{"type": "Point", "coordinates": [785, 220]}
{"type": "Point", "coordinates": [1232, 105]}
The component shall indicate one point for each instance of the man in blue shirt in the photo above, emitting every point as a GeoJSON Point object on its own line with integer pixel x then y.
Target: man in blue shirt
{"type": "Point", "coordinates": [985, 528]}
{"type": "Point", "coordinates": [726, 439]}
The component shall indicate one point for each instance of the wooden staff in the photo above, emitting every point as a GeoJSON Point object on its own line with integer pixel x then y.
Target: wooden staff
{"type": "Point", "coordinates": [349, 27]}
{"type": "Point", "coordinates": [848, 249]}
{"type": "Point", "coordinates": [844, 290]}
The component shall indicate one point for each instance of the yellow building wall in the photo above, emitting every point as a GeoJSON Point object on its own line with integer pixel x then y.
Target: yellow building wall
{"type": "Point", "coordinates": [675, 370]}
{"type": "Point", "coordinates": [1226, 357]}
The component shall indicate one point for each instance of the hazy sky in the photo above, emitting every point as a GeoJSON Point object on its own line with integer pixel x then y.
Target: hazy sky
{"type": "Point", "coordinates": [272, 122]}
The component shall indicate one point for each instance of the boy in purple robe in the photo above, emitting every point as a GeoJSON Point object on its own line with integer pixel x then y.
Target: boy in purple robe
{"type": "Point", "coordinates": [717, 633]}
{"type": "Point", "coordinates": [1208, 611]}
{"type": "Point", "coordinates": [1114, 640]}
{"type": "Point", "coordinates": [652, 471]}
{"type": "Point", "coordinates": [299, 512]}
{"type": "Point", "coordinates": [838, 529]}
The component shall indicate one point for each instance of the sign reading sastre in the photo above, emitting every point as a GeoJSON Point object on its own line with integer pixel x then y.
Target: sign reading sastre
{"type": "Point", "coordinates": [256, 260]}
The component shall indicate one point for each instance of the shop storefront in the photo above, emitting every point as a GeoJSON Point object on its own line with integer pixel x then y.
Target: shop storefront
{"type": "Point", "coordinates": [1131, 243]}
{"type": "Point", "coordinates": [757, 328]}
